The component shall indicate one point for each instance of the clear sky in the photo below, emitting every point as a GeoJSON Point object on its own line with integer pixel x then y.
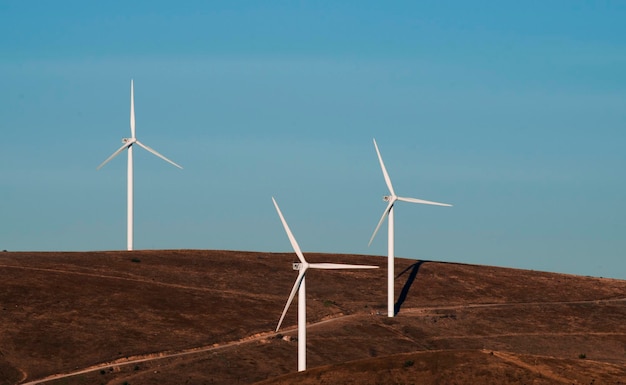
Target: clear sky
{"type": "Point", "coordinates": [514, 112]}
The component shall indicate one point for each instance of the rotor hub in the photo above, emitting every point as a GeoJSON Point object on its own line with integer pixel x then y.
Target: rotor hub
{"type": "Point", "coordinates": [386, 198]}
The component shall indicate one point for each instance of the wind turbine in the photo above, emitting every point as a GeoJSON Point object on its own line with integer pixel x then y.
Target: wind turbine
{"type": "Point", "coordinates": [392, 198]}
{"type": "Point", "coordinates": [299, 286]}
{"type": "Point", "coordinates": [128, 145]}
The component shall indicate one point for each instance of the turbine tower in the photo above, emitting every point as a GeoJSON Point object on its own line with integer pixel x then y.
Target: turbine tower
{"type": "Point", "coordinates": [392, 198]}
{"type": "Point", "coordinates": [299, 286]}
{"type": "Point", "coordinates": [128, 145]}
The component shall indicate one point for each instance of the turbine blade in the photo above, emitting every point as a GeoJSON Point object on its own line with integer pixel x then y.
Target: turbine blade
{"type": "Point", "coordinates": [336, 266]}
{"type": "Point", "coordinates": [132, 109]}
{"type": "Point", "coordinates": [116, 153]}
{"type": "Point", "coordinates": [294, 290]}
{"type": "Point", "coordinates": [292, 239]}
{"type": "Point", "coordinates": [382, 166]}
{"type": "Point", "coordinates": [382, 219]}
{"type": "Point", "coordinates": [157, 154]}
{"type": "Point", "coordinates": [415, 200]}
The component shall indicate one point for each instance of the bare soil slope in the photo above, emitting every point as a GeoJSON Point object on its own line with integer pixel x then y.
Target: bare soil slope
{"type": "Point", "coordinates": [207, 317]}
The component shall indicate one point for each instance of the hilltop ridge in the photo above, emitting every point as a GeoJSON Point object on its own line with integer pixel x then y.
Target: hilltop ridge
{"type": "Point", "coordinates": [128, 316]}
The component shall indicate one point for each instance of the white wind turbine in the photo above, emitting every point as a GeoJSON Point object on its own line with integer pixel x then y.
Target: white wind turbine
{"type": "Point", "coordinates": [128, 145]}
{"type": "Point", "coordinates": [392, 198]}
{"type": "Point", "coordinates": [300, 287]}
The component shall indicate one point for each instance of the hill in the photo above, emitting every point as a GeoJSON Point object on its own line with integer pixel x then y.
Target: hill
{"type": "Point", "coordinates": [207, 317]}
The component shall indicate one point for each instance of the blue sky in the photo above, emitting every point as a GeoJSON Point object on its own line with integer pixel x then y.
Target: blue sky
{"type": "Point", "coordinates": [515, 112]}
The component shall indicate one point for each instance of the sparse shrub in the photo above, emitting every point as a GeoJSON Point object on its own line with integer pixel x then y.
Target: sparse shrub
{"type": "Point", "coordinates": [135, 260]}
{"type": "Point", "coordinates": [582, 356]}
{"type": "Point", "coordinates": [136, 368]}
{"type": "Point", "coordinates": [408, 363]}
{"type": "Point", "coordinates": [103, 372]}
{"type": "Point", "coordinates": [328, 303]}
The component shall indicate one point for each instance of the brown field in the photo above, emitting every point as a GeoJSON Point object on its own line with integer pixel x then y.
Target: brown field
{"type": "Point", "coordinates": [208, 317]}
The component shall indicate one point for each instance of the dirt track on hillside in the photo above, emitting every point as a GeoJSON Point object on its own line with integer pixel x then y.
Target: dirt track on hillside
{"type": "Point", "coordinates": [545, 371]}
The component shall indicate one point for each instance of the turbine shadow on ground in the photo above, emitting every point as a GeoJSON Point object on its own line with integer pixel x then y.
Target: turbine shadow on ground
{"type": "Point", "coordinates": [414, 268]}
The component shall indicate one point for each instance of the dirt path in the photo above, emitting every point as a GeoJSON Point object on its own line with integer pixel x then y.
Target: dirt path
{"type": "Point", "coordinates": [509, 304]}
{"type": "Point", "coordinates": [500, 335]}
{"type": "Point", "coordinates": [153, 357]}
{"type": "Point", "coordinates": [542, 370]}
{"type": "Point", "coordinates": [134, 279]}
{"type": "Point", "coordinates": [164, 355]}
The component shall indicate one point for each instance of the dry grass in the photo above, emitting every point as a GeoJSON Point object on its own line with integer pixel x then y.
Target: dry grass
{"type": "Point", "coordinates": [64, 312]}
